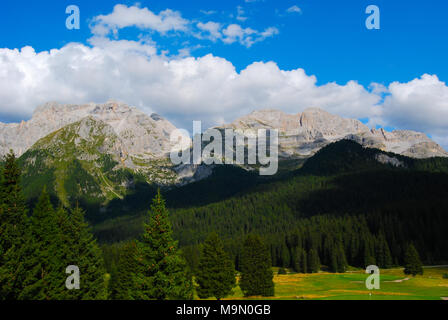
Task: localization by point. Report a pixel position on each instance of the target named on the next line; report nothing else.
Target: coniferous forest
(340, 209)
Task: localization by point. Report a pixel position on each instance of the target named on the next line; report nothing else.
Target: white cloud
(233, 33)
(123, 16)
(246, 36)
(206, 88)
(294, 9)
(421, 104)
(168, 20)
(212, 29)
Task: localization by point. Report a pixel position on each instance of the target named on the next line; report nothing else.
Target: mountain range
(101, 151)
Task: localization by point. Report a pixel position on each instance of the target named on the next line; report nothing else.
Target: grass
(351, 286)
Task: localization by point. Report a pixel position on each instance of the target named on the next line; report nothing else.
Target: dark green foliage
(121, 284)
(161, 271)
(57, 240)
(83, 252)
(445, 276)
(13, 230)
(300, 263)
(216, 274)
(313, 261)
(45, 271)
(412, 263)
(256, 273)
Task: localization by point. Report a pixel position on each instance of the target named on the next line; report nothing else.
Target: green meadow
(394, 285)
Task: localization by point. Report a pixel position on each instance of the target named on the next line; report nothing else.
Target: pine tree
(216, 273)
(412, 263)
(256, 272)
(285, 258)
(341, 259)
(81, 251)
(13, 231)
(42, 262)
(121, 284)
(304, 263)
(334, 267)
(313, 261)
(161, 271)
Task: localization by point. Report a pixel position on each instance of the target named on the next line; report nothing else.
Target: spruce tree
(300, 264)
(216, 273)
(313, 261)
(13, 230)
(341, 259)
(303, 262)
(121, 284)
(412, 263)
(256, 272)
(161, 271)
(43, 264)
(82, 251)
(285, 257)
(334, 267)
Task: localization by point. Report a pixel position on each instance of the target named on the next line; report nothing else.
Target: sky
(217, 60)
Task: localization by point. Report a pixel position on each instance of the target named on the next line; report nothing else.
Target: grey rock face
(303, 134)
(142, 136)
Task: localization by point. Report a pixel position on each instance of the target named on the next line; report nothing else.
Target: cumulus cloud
(421, 104)
(211, 29)
(168, 20)
(246, 36)
(233, 33)
(206, 88)
(123, 16)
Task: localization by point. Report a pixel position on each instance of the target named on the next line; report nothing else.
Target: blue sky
(321, 50)
(327, 39)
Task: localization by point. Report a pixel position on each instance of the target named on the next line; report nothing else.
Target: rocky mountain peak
(303, 134)
(145, 136)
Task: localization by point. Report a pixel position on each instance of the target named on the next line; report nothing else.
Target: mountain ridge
(101, 151)
(303, 134)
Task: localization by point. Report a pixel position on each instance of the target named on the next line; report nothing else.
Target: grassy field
(394, 285)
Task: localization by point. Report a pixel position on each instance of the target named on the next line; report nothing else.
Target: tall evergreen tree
(304, 262)
(256, 272)
(313, 261)
(13, 230)
(300, 264)
(216, 273)
(412, 262)
(161, 271)
(342, 261)
(121, 284)
(83, 252)
(43, 264)
(285, 256)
